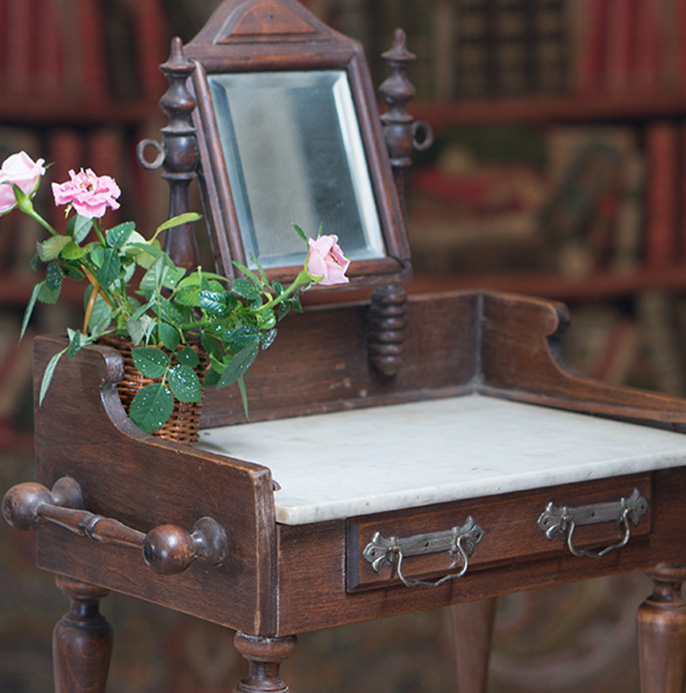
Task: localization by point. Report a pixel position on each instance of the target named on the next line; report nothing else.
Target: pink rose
(326, 263)
(20, 170)
(90, 195)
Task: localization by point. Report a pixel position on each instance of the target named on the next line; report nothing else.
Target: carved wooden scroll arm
(167, 549)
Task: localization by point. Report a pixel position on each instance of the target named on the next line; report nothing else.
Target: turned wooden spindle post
(400, 129)
(177, 154)
(387, 329)
(662, 632)
(82, 640)
(265, 656)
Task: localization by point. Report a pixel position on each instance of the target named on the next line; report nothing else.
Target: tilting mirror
(289, 133)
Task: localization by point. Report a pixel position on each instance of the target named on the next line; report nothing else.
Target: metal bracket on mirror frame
(459, 542)
(564, 520)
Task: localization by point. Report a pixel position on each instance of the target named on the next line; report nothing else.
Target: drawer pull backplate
(625, 511)
(459, 542)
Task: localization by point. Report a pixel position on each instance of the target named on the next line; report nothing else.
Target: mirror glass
(294, 154)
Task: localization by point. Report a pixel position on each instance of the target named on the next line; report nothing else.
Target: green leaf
(140, 329)
(239, 365)
(150, 361)
(268, 338)
(260, 269)
(97, 254)
(169, 336)
(109, 270)
(151, 407)
(188, 357)
(29, 308)
(71, 251)
(100, 316)
(242, 336)
(77, 341)
(249, 273)
(300, 233)
(187, 296)
(244, 396)
(49, 372)
(117, 236)
(53, 276)
(47, 294)
(81, 229)
(284, 309)
(211, 378)
(172, 276)
(172, 314)
(296, 305)
(73, 271)
(50, 249)
(245, 289)
(213, 303)
(210, 345)
(184, 383)
(186, 218)
(266, 320)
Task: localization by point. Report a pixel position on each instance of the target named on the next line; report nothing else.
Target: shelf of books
(79, 86)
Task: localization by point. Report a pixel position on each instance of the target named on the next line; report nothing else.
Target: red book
(680, 41)
(151, 47)
(662, 146)
(18, 48)
(91, 45)
(650, 45)
(590, 59)
(620, 46)
(50, 49)
(65, 151)
(106, 152)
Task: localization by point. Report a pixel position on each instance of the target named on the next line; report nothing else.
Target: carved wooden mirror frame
(272, 36)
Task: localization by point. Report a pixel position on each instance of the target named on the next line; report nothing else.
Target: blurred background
(558, 170)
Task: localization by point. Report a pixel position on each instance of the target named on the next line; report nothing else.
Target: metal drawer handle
(167, 549)
(625, 511)
(459, 542)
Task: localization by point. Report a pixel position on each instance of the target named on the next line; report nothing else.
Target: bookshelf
(555, 74)
(79, 87)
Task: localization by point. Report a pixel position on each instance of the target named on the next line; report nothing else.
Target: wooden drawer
(509, 525)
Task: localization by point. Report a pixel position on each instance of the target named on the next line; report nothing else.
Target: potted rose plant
(173, 320)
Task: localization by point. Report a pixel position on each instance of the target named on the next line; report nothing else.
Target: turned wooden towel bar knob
(167, 549)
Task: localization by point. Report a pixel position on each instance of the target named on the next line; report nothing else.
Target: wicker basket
(183, 424)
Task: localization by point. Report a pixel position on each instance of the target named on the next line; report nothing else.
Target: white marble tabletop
(363, 461)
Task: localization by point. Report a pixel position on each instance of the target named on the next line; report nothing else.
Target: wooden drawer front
(510, 530)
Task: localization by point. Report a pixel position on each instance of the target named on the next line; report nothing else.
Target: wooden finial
(178, 154)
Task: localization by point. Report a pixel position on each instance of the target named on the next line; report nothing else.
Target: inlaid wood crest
(258, 21)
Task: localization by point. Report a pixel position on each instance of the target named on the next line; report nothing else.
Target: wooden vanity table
(402, 454)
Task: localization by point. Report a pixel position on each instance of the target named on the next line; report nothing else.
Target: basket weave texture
(184, 423)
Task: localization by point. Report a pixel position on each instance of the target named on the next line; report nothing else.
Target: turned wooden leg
(82, 641)
(662, 632)
(472, 633)
(264, 656)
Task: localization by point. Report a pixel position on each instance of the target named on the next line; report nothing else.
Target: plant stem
(37, 217)
(302, 279)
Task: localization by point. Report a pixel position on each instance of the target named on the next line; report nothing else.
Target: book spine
(50, 49)
(620, 46)
(93, 70)
(151, 48)
(20, 38)
(589, 72)
(655, 49)
(106, 155)
(661, 195)
(65, 150)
